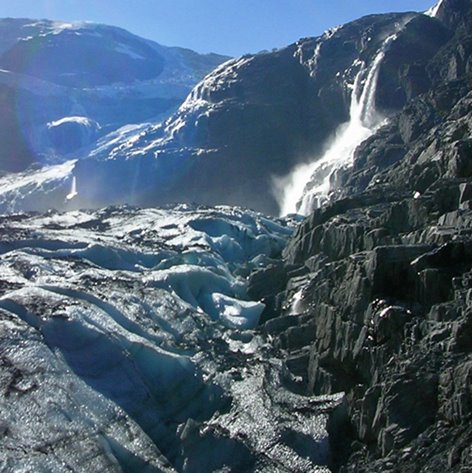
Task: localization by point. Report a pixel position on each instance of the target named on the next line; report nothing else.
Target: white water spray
(73, 190)
(433, 11)
(308, 186)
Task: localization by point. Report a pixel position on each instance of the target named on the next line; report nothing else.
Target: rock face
(255, 118)
(274, 111)
(53, 71)
(377, 283)
(197, 342)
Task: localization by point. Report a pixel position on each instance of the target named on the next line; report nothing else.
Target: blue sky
(231, 27)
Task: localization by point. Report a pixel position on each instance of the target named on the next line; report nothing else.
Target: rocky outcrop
(246, 125)
(378, 304)
(271, 112)
(148, 315)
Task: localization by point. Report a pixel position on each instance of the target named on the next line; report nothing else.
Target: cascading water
(308, 186)
(73, 190)
(433, 11)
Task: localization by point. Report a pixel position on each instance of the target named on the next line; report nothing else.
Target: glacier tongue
(127, 339)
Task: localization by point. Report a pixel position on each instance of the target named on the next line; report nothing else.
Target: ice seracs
(139, 322)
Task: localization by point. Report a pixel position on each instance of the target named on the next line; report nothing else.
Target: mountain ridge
(276, 110)
(382, 285)
(103, 73)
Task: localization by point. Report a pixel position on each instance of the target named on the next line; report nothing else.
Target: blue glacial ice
(128, 342)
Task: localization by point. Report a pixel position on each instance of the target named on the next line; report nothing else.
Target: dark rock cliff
(377, 285)
(257, 117)
(253, 119)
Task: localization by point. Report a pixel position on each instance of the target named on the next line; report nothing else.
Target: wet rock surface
(252, 120)
(280, 109)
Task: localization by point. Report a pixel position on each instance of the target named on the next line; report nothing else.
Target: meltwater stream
(308, 186)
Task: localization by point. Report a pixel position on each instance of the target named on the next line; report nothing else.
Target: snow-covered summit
(63, 52)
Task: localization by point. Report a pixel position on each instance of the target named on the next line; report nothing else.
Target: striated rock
(387, 283)
(401, 75)
(455, 393)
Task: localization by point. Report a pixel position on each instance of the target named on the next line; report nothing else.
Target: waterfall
(308, 186)
(433, 11)
(73, 190)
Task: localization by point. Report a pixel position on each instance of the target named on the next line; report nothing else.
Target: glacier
(129, 339)
(180, 338)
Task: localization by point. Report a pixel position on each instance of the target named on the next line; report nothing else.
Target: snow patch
(27, 189)
(237, 313)
(83, 121)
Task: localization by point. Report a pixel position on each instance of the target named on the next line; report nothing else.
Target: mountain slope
(181, 339)
(57, 70)
(383, 278)
(255, 118)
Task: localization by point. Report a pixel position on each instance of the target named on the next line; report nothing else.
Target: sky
(231, 27)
